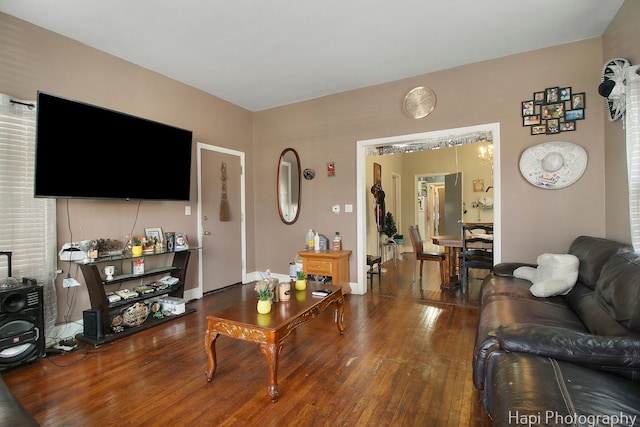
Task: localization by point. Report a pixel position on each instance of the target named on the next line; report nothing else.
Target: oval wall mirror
(288, 182)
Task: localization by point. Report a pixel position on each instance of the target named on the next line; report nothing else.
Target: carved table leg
(340, 315)
(210, 347)
(272, 351)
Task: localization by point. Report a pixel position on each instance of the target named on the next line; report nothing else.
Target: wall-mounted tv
(89, 152)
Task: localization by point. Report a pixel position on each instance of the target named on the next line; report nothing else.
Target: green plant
(389, 225)
(137, 241)
(262, 288)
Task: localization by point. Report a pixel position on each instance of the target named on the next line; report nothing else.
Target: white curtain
(27, 224)
(632, 129)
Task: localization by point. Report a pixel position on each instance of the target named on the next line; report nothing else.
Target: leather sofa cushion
(528, 386)
(594, 253)
(618, 289)
(597, 320)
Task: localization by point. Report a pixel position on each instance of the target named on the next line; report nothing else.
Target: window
(27, 224)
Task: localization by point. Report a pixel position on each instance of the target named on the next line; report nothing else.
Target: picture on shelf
(154, 233)
(182, 242)
(137, 266)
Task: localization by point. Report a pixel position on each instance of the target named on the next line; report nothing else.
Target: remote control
(321, 292)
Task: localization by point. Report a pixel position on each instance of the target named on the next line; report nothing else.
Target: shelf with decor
(143, 307)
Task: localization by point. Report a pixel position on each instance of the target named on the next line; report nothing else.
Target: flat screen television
(89, 152)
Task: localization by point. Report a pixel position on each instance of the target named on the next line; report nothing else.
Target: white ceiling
(260, 54)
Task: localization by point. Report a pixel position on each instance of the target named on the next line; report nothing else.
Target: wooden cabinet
(98, 288)
(328, 263)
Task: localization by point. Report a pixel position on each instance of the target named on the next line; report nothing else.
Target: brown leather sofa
(12, 413)
(576, 355)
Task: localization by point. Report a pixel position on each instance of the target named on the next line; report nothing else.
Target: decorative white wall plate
(553, 165)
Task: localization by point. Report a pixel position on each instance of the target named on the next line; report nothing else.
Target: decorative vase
(301, 285)
(136, 250)
(264, 306)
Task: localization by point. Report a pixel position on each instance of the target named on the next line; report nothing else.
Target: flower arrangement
(136, 241)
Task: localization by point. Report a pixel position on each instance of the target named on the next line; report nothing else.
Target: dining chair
(477, 249)
(421, 255)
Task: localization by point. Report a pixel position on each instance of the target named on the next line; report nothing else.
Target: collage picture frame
(553, 110)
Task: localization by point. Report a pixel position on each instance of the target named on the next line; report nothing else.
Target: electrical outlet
(70, 282)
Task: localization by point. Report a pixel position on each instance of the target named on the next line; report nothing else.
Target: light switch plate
(348, 208)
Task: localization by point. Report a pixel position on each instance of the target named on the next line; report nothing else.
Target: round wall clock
(419, 102)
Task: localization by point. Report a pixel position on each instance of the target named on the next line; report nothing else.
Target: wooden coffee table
(242, 321)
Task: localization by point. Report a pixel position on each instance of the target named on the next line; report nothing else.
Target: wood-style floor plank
(404, 360)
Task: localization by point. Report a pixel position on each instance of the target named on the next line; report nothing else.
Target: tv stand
(96, 285)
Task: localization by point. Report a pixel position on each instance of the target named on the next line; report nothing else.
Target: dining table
(452, 244)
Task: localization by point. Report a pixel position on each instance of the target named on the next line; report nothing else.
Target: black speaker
(92, 322)
(21, 325)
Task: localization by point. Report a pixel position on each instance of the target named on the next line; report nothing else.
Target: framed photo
(568, 126)
(377, 173)
(574, 115)
(551, 95)
(553, 126)
(538, 129)
(478, 185)
(539, 98)
(531, 120)
(565, 94)
(578, 101)
(182, 242)
(553, 111)
(527, 108)
(155, 233)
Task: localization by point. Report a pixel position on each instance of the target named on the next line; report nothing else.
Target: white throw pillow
(556, 274)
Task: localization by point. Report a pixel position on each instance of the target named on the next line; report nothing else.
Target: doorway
(417, 141)
(222, 238)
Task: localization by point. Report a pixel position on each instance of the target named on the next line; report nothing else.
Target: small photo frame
(377, 173)
(155, 233)
(574, 115)
(565, 94)
(538, 129)
(527, 108)
(182, 242)
(553, 111)
(539, 98)
(531, 120)
(478, 185)
(552, 95)
(568, 126)
(578, 101)
(553, 126)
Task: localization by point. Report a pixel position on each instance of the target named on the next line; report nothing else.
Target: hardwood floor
(404, 360)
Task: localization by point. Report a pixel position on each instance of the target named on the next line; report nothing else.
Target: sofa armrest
(571, 346)
(507, 268)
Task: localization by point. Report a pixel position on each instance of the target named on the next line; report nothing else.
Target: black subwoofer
(21, 325)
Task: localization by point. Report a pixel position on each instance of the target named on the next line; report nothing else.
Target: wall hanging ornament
(613, 87)
(553, 165)
(225, 214)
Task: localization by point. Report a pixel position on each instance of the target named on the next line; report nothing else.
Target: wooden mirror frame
(288, 180)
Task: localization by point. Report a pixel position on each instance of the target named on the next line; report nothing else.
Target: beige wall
(621, 40)
(326, 129)
(35, 59)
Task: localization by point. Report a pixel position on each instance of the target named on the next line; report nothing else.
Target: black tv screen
(89, 152)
